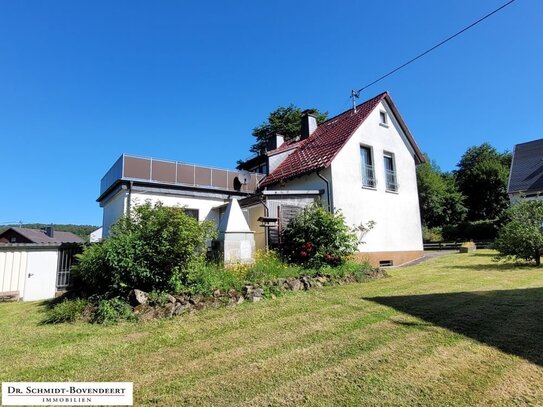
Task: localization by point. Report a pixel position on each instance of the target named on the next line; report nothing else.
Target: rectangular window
(368, 172)
(383, 118)
(390, 172)
(193, 213)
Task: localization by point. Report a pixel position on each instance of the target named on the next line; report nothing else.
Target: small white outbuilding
(35, 264)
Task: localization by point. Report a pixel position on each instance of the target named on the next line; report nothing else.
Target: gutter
(130, 185)
(266, 214)
(327, 190)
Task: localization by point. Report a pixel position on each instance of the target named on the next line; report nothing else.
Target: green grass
(459, 330)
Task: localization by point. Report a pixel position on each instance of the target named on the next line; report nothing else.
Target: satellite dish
(244, 177)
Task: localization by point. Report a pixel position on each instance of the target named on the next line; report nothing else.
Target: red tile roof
(287, 145)
(318, 150)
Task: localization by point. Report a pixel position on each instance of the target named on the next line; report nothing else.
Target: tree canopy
(440, 202)
(283, 120)
(481, 177)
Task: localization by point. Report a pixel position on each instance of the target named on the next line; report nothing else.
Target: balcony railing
(368, 176)
(153, 170)
(391, 183)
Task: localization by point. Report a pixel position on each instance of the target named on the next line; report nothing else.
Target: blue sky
(83, 81)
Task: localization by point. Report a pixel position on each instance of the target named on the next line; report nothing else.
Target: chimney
(309, 123)
(49, 231)
(274, 142)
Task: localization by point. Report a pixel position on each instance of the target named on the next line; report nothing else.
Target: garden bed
(143, 306)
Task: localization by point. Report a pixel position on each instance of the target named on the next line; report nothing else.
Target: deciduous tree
(522, 236)
(283, 120)
(440, 202)
(481, 177)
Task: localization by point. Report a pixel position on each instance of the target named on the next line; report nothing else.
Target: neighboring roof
(320, 148)
(527, 167)
(39, 236)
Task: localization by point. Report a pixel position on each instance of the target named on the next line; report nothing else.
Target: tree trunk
(537, 258)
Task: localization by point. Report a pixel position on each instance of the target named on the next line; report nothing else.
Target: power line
(355, 93)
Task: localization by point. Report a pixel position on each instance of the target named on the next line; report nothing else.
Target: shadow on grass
(510, 320)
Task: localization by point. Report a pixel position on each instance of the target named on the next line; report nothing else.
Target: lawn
(456, 330)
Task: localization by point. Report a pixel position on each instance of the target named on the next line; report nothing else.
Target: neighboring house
(96, 235)
(35, 264)
(526, 175)
(361, 162)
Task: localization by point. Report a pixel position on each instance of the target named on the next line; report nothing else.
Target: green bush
(316, 237)
(432, 234)
(477, 230)
(157, 298)
(150, 249)
(112, 310)
(521, 238)
(66, 311)
(269, 266)
(204, 278)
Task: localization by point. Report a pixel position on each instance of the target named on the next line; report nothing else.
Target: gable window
(390, 172)
(13, 239)
(383, 118)
(368, 171)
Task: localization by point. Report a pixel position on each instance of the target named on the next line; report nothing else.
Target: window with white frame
(383, 119)
(368, 171)
(390, 172)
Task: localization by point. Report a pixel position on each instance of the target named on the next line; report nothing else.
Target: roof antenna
(354, 95)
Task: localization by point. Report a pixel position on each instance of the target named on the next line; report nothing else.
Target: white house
(362, 162)
(526, 174)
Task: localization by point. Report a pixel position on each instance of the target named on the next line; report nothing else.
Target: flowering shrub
(316, 237)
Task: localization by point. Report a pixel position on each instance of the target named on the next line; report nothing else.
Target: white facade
(119, 204)
(114, 209)
(396, 214)
(310, 182)
(32, 272)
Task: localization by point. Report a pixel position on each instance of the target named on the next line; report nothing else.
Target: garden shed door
(41, 275)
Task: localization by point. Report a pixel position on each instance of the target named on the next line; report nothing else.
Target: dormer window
(383, 118)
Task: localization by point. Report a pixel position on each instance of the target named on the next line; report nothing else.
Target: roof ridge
(320, 148)
(379, 96)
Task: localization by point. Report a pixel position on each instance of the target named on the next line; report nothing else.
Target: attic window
(13, 239)
(383, 119)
